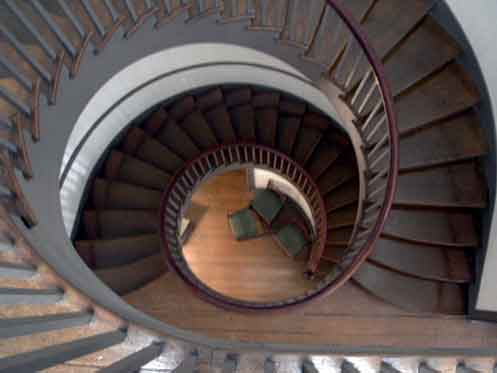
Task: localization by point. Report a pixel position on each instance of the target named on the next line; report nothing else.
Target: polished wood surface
(257, 270)
(254, 270)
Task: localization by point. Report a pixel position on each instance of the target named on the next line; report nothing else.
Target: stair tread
(128, 169)
(238, 96)
(266, 126)
(147, 149)
(435, 263)
(410, 293)
(302, 21)
(199, 131)
(269, 15)
(433, 99)
(123, 223)
(331, 36)
(288, 128)
(341, 171)
(220, 122)
(305, 143)
(344, 217)
(210, 99)
(436, 227)
(323, 157)
(120, 251)
(389, 21)
(343, 195)
(407, 65)
(243, 120)
(182, 107)
(118, 195)
(130, 277)
(450, 140)
(339, 236)
(457, 185)
(266, 100)
(178, 140)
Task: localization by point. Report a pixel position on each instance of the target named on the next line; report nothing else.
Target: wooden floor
(254, 270)
(258, 270)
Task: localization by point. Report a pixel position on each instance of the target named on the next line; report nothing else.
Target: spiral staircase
(395, 198)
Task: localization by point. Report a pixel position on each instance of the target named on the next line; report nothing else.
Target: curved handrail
(195, 172)
(15, 201)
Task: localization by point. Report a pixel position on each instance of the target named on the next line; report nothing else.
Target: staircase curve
(41, 41)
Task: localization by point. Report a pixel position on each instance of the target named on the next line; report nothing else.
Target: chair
(267, 204)
(245, 224)
(292, 239)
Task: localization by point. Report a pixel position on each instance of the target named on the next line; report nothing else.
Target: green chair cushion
(267, 204)
(291, 239)
(243, 224)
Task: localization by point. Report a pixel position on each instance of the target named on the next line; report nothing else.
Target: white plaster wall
(478, 20)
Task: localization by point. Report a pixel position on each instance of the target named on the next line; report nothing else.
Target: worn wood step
(266, 100)
(288, 129)
(323, 157)
(344, 195)
(120, 251)
(432, 227)
(407, 66)
(128, 278)
(147, 149)
(331, 36)
(451, 140)
(122, 167)
(117, 195)
(434, 99)
(237, 96)
(339, 236)
(389, 22)
(243, 120)
(457, 185)
(181, 107)
(305, 143)
(411, 294)
(110, 224)
(266, 126)
(178, 140)
(220, 122)
(341, 171)
(209, 100)
(199, 130)
(343, 217)
(302, 21)
(434, 263)
(236, 10)
(270, 15)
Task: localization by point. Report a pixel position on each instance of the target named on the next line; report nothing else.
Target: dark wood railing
(211, 162)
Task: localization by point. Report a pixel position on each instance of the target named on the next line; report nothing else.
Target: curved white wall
(156, 78)
(478, 20)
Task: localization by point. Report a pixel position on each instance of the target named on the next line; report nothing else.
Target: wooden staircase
(427, 244)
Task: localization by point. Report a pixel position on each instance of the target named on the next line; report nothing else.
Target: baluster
(375, 206)
(135, 361)
(94, 18)
(131, 10)
(366, 99)
(45, 46)
(353, 71)
(371, 115)
(19, 47)
(10, 296)
(374, 131)
(379, 159)
(378, 176)
(359, 89)
(15, 101)
(55, 28)
(377, 190)
(245, 149)
(12, 133)
(237, 148)
(19, 76)
(112, 10)
(378, 146)
(72, 18)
